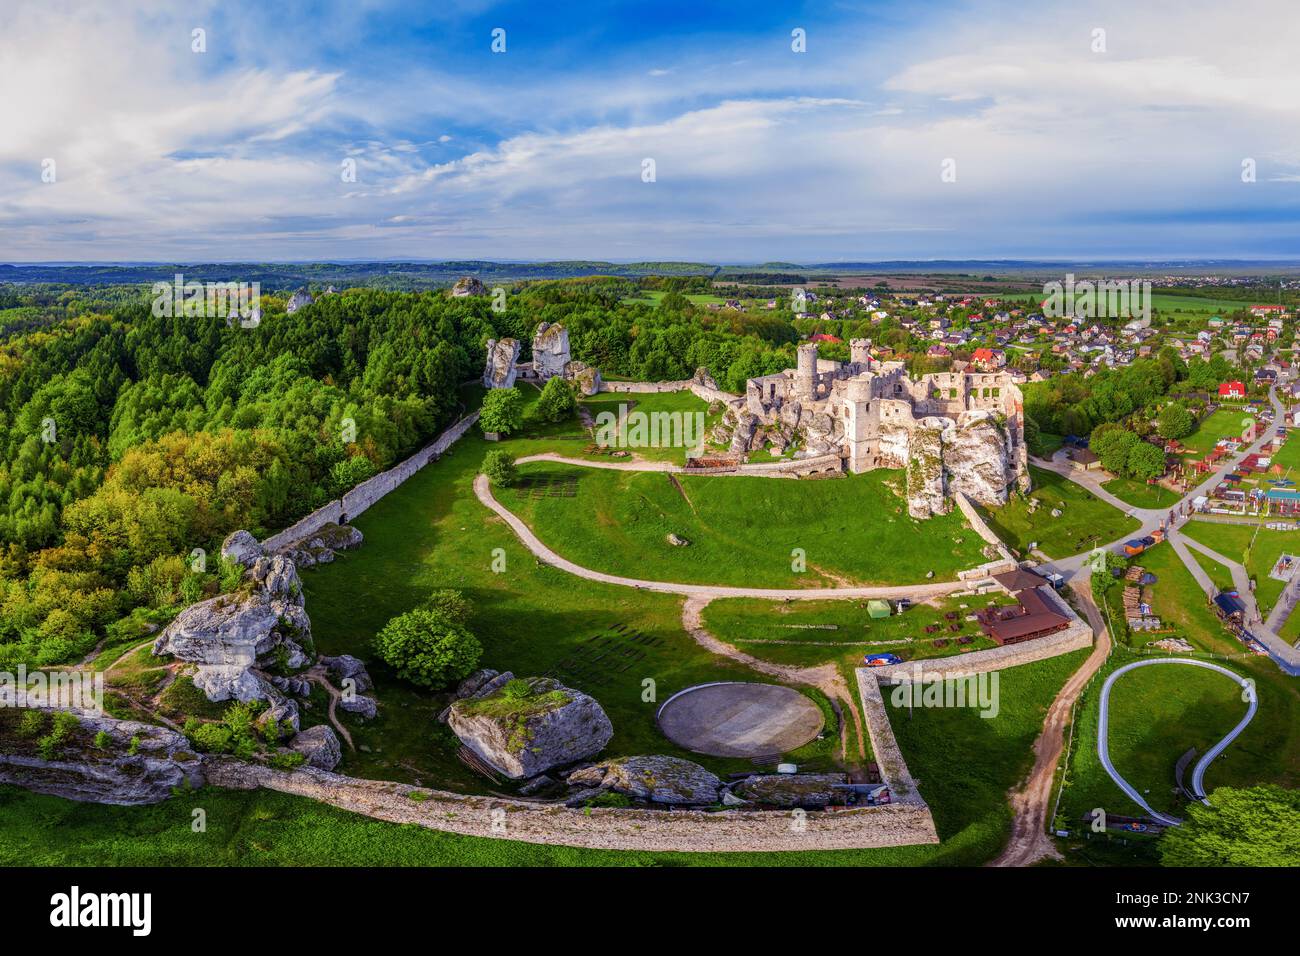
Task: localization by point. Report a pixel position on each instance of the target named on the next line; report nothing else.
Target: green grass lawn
(1179, 602)
(807, 633)
(1086, 521)
(1222, 423)
(672, 445)
(743, 530)
(964, 763)
(1141, 495)
(1265, 546)
(1156, 714)
(532, 619)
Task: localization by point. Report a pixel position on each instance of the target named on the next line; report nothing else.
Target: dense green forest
(128, 440)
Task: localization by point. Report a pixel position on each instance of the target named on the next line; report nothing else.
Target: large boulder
(320, 546)
(807, 790)
(135, 763)
(260, 625)
(583, 377)
(550, 349)
(976, 456)
(526, 727)
(320, 745)
(657, 779)
(499, 369)
(345, 667)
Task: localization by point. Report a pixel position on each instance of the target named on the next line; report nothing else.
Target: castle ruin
(951, 431)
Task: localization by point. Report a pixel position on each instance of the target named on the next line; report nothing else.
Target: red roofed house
(1232, 390)
(989, 359)
(823, 337)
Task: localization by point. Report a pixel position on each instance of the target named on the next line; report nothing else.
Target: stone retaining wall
(702, 392)
(690, 831)
(369, 491)
(893, 768)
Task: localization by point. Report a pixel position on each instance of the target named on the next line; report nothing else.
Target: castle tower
(805, 372)
(860, 351)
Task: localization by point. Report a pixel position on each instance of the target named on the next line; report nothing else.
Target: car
(881, 660)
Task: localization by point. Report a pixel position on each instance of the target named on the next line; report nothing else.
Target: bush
(452, 603)
(32, 723)
(503, 411)
(557, 402)
(428, 648)
(214, 738)
(500, 468)
(288, 760)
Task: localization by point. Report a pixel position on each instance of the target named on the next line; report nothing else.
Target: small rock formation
(467, 286)
(364, 707)
(499, 370)
(550, 350)
(138, 764)
(808, 790)
(298, 300)
(321, 547)
(676, 540)
(583, 377)
(525, 727)
(320, 745)
(657, 779)
(261, 624)
(346, 666)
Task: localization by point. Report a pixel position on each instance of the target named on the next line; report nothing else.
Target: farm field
(1141, 495)
(743, 530)
(655, 296)
(1085, 521)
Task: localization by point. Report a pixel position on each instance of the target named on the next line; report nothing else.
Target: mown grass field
(743, 530)
(1223, 423)
(808, 633)
(677, 435)
(964, 763)
(1141, 495)
(1085, 522)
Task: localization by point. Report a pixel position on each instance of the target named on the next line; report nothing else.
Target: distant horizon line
(1148, 262)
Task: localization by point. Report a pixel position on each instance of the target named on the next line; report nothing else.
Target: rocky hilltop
(261, 624)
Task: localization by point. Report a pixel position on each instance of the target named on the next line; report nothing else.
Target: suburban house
(1232, 390)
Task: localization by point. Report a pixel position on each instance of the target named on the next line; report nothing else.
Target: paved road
(1198, 774)
(1283, 654)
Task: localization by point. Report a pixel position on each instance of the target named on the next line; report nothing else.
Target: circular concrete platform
(739, 720)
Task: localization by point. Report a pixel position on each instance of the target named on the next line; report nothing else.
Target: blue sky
(1065, 142)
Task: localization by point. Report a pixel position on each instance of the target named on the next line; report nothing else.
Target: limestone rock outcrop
(320, 745)
(467, 286)
(346, 667)
(657, 779)
(260, 624)
(499, 370)
(585, 378)
(525, 727)
(242, 548)
(550, 349)
(298, 300)
(808, 790)
(134, 764)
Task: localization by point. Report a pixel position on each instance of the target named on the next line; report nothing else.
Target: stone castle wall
(369, 491)
(687, 831)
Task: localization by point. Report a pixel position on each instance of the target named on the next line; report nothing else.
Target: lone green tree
(1255, 826)
(503, 411)
(1175, 421)
(1145, 462)
(500, 468)
(557, 402)
(428, 647)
